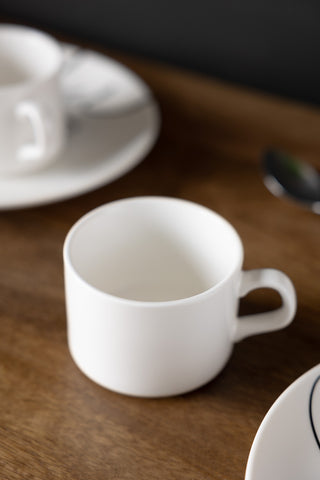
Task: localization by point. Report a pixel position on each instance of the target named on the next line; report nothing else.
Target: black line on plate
(310, 411)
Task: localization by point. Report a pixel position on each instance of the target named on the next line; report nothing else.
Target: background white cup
(152, 290)
(32, 120)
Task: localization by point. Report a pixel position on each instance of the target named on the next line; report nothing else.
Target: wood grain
(57, 424)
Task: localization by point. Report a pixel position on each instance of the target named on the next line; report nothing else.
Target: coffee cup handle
(248, 325)
(36, 150)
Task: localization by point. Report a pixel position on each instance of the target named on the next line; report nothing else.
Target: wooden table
(57, 424)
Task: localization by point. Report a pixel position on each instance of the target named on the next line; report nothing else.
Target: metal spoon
(285, 175)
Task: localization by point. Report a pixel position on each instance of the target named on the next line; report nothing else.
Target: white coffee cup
(32, 120)
(152, 290)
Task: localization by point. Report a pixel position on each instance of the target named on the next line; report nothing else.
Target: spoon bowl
(285, 175)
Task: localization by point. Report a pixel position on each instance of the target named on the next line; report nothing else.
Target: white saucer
(99, 149)
(287, 444)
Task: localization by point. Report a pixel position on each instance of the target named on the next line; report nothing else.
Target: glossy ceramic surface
(287, 444)
(98, 150)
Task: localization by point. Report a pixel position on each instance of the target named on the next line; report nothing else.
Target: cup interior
(26, 54)
(153, 249)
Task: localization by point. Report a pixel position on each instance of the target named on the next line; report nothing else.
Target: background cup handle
(36, 150)
(266, 322)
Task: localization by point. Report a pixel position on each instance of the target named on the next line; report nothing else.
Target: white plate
(287, 444)
(99, 149)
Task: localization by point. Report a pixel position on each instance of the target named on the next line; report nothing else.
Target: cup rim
(49, 39)
(179, 301)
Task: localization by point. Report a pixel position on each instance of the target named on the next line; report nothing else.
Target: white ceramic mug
(32, 120)
(152, 290)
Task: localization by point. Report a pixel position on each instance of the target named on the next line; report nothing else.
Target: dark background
(272, 45)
